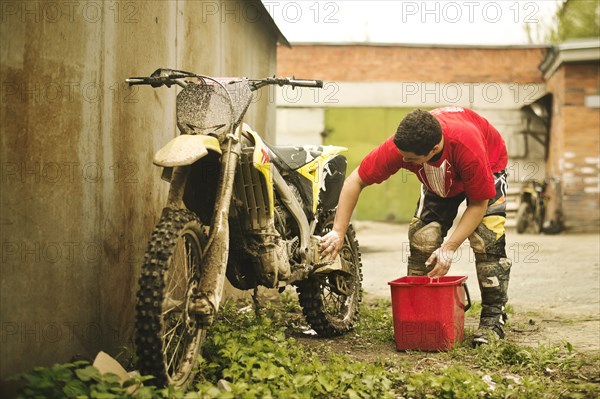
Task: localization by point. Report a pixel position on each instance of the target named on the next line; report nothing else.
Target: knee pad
(424, 239)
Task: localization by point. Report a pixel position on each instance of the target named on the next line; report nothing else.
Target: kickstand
(256, 303)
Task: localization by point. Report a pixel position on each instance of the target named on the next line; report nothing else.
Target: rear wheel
(330, 302)
(523, 217)
(168, 337)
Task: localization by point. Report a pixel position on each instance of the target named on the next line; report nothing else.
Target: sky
(500, 22)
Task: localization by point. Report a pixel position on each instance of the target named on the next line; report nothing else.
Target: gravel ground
(554, 286)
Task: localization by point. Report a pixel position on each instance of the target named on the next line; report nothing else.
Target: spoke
(175, 351)
(172, 330)
(176, 272)
(178, 340)
(171, 304)
(171, 353)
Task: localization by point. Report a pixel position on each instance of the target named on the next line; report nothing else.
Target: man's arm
(466, 226)
(332, 242)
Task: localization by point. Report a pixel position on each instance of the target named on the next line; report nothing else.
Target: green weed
(250, 354)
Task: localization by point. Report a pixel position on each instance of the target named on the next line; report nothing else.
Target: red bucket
(429, 314)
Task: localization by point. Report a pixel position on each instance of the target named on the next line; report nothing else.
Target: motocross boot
(493, 274)
(423, 240)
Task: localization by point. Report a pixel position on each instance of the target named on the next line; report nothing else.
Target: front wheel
(330, 302)
(168, 338)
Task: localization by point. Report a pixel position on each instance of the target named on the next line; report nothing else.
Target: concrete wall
(79, 193)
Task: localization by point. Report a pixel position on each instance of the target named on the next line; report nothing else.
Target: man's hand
(442, 259)
(330, 244)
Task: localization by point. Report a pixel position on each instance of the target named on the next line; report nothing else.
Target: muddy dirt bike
(239, 209)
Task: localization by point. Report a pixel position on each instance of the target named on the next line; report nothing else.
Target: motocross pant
(432, 220)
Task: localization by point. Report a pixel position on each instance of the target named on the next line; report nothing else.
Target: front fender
(185, 150)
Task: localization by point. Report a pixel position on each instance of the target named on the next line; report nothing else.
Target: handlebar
(257, 84)
(161, 76)
(133, 81)
(168, 77)
(154, 81)
(306, 83)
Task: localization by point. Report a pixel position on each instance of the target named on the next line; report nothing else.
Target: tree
(575, 19)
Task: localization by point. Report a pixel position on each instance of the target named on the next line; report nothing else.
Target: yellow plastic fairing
(313, 171)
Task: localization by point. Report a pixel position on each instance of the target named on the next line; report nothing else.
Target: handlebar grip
(306, 83)
(135, 81)
(147, 80)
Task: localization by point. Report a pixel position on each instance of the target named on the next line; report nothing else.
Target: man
(457, 155)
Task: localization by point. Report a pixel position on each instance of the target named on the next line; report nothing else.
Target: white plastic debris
(490, 383)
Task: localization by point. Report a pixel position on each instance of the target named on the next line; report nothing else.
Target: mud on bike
(239, 209)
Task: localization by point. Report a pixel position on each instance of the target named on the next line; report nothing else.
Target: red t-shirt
(473, 151)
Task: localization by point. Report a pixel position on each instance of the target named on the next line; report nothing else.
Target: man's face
(416, 159)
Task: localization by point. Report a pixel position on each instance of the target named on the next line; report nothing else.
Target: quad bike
(239, 209)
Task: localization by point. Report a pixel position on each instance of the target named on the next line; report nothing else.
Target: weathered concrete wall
(79, 195)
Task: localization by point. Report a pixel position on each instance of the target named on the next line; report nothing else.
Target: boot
(493, 274)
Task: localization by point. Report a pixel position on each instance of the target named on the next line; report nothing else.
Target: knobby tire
(314, 294)
(159, 305)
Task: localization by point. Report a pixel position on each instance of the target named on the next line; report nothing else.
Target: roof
(280, 37)
(580, 50)
(422, 45)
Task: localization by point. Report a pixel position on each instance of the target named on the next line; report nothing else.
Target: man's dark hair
(418, 132)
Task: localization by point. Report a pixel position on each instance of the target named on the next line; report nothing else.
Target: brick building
(572, 74)
(369, 87)
(413, 63)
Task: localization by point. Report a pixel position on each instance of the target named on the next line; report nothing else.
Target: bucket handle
(468, 297)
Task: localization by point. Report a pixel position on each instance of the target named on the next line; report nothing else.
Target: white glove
(442, 259)
(330, 245)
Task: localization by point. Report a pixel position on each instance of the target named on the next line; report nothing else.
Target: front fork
(214, 259)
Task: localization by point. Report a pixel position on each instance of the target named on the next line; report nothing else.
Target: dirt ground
(554, 287)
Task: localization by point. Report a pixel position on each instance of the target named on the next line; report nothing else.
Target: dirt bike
(532, 207)
(239, 209)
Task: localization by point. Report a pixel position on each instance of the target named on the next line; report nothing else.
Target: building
(572, 74)
(79, 194)
(370, 87)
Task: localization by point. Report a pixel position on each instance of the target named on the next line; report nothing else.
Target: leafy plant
(251, 354)
(258, 361)
(376, 321)
(82, 380)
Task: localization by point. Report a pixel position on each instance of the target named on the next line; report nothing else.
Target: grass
(266, 354)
